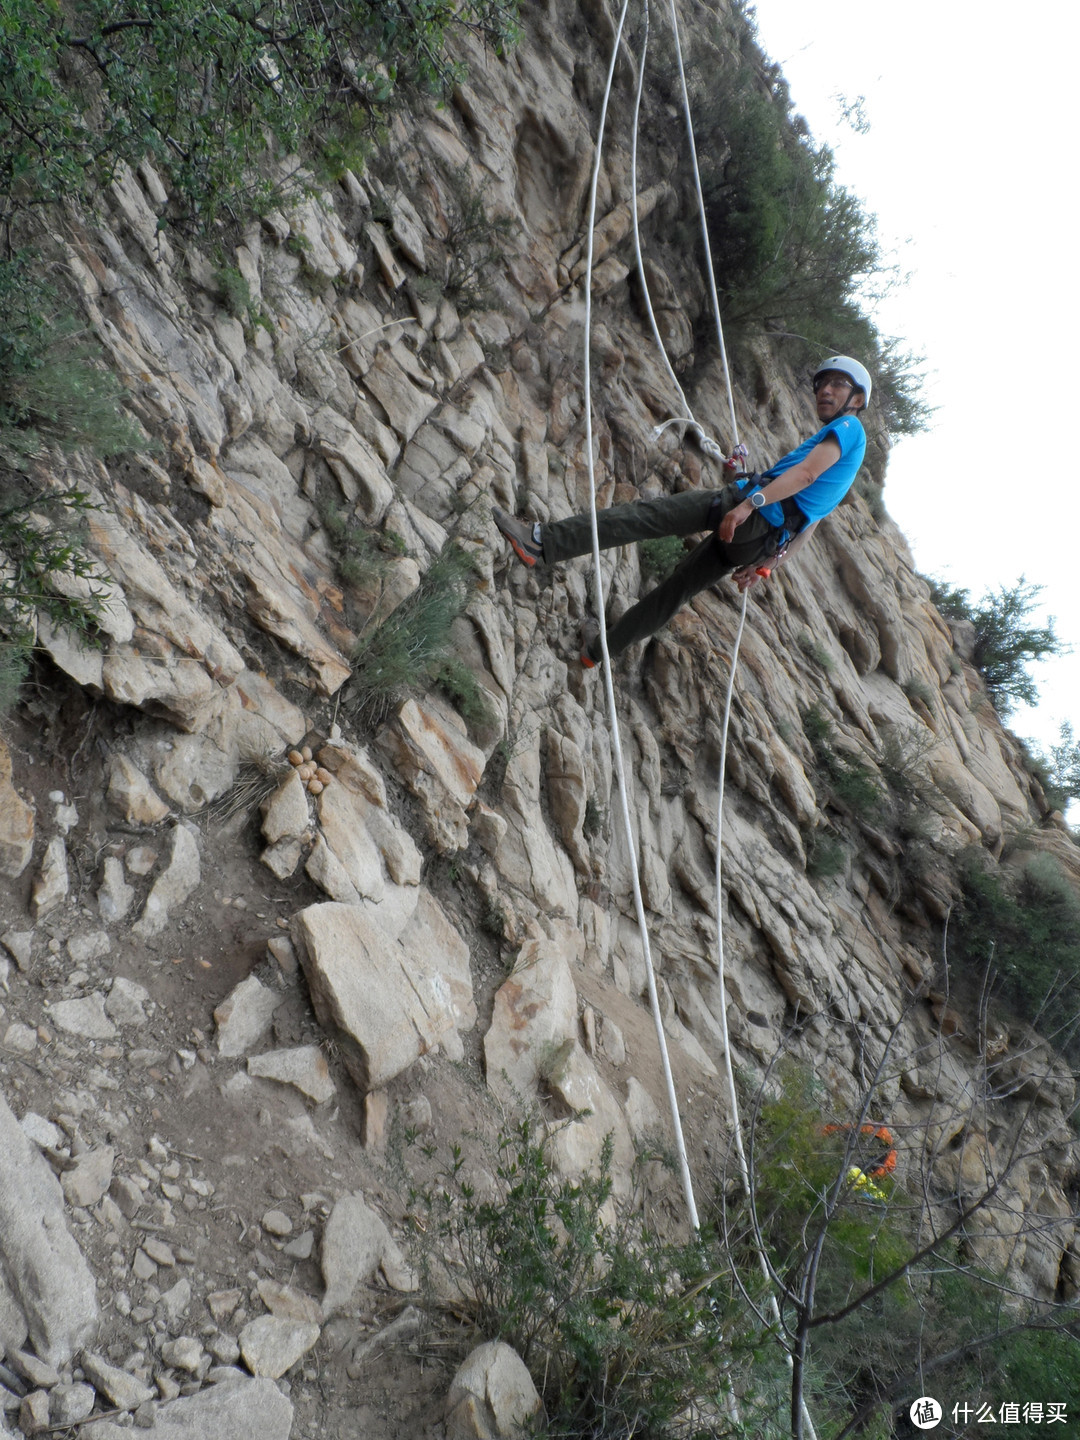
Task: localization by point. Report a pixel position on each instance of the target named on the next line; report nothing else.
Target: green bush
(465, 692)
(1005, 642)
(203, 89)
(410, 650)
(825, 856)
(660, 557)
(796, 254)
(53, 388)
(1059, 772)
(850, 783)
(54, 394)
(476, 243)
(832, 1242)
(814, 650)
(363, 556)
(1026, 926)
(622, 1332)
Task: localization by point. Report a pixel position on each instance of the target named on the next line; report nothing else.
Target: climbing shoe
(523, 535)
(590, 632)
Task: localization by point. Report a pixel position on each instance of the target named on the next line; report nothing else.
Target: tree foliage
(1006, 642)
(201, 89)
(796, 253)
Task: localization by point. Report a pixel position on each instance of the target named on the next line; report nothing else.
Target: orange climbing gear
(877, 1165)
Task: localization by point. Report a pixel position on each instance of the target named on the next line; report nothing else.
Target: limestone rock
(356, 1244)
(283, 857)
(16, 823)
(131, 794)
(183, 1353)
(304, 1067)
(535, 1014)
(126, 1001)
(492, 1396)
(439, 764)
(90, 1177)
(38, 1373)
(41, 1267)
(119, 1387)
(34, 1413)
(289, 1303)
(86, 945)
(244, 1016)
(85, 1016)
(236, 1411)
(271, 1344)
(19, 945)
(406, 406)
(115, 897)
(285, 813)
(593, 1114)
(390, 994)
(70, 1404)
(359, 471)
(173, 885)
(51, 882)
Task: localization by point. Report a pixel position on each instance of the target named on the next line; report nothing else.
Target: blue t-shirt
(832, 484)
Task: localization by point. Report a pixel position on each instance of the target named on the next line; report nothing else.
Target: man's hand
(732, 520)
(750, 575)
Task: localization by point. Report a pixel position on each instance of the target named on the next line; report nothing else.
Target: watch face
(757, 499)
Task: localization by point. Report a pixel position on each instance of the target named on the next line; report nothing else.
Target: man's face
(832, 391)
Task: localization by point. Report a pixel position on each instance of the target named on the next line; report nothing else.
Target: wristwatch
(757, 499)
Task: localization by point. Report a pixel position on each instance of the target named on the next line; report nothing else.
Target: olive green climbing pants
(683, 514)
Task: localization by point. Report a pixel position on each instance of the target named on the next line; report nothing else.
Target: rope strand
(609, 686)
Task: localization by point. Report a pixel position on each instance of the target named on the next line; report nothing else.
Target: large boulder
(46, 1289)
(535, 1014)
(233, 1411)
(492, 1396)
(388, 992)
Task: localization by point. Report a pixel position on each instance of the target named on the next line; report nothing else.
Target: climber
(759, 520)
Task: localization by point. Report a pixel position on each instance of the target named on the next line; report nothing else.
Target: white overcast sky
(970, 166)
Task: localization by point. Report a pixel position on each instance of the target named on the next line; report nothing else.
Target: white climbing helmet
(856, 373)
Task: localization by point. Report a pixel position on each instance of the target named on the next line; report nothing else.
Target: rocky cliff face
(431, 855)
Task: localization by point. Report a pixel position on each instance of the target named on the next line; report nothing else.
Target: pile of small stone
(315, 777)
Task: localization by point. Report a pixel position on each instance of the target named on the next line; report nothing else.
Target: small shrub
(364, 556)
(239, 301)
(920, 691)
(1026, 926)
(814, 650)
(817, 727)
(412, 645)
(462, 688)
(851, 783)
(622, 1332)
(475, 242)
(660, 557)
(53, 387)
(592, 823)
(14, 664)
(825, 856)
(40, 545)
